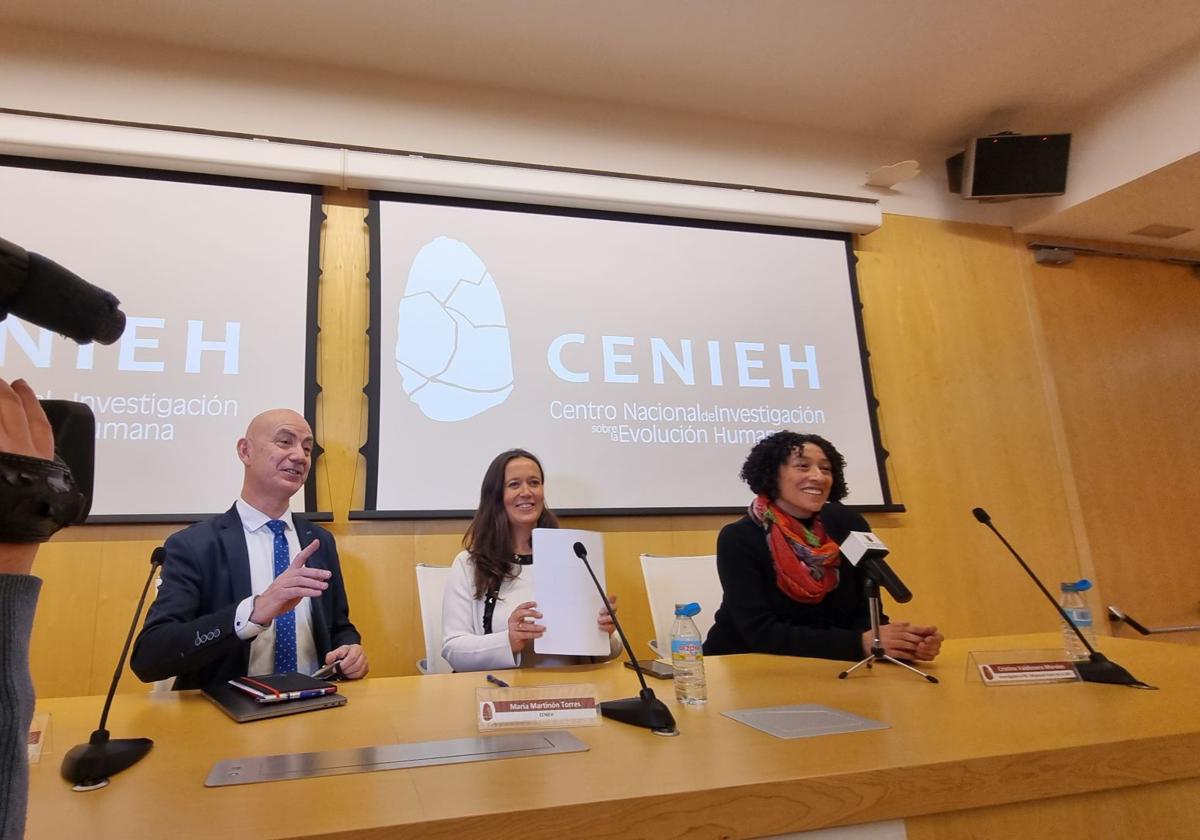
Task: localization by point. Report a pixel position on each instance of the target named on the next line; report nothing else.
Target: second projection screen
(639, 358)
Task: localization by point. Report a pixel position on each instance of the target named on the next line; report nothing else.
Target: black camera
(37, 497)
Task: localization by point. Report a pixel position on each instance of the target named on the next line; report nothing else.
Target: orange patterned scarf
(806, 561)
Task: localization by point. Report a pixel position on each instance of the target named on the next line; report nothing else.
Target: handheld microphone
(866, 551)
(645, 710)
(44, 293)
(88, 766)
(1098, 668)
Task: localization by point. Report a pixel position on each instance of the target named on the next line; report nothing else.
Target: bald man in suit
(230, 587)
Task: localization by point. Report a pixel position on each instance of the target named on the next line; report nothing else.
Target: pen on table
(494, 680)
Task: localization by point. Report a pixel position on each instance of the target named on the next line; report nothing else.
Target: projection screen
(639, 357)
(218, 279)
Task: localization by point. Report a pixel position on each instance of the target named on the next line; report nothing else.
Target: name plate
(39, 729)
(1015, 667)
(533, 707)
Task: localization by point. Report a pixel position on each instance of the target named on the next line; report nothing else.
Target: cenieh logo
(452, 345)
(454, 356)
(682, 363)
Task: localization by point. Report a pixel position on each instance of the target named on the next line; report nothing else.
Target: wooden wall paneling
(376, 558)
(1062, 450)
(696, 535)
(62, 649)
(380, 585)
(437, 541)
(1123, 337)
(91, 578)
(964, 413)
(342, 351)
(124, 564)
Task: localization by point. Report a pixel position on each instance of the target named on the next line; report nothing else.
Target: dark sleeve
(176, 638)
(18, 598)
(341, 630)
(747, 576)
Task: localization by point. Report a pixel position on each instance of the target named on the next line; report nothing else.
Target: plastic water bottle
(687, 656)
(1074, 605)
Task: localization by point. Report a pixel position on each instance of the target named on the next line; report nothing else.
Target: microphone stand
(877, 652)
(645, 710)
(1098, 668)
(88, 766)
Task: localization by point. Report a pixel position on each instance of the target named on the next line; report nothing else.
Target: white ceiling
(934, 71)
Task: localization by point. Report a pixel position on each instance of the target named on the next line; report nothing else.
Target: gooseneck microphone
(645, 710)
(1098, 668)
(42, 292)
(88, 766)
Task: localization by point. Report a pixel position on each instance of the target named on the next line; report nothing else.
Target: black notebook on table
(282, 688)
(243, 706)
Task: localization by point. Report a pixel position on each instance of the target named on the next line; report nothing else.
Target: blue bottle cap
(688, 610)
(1081, 585)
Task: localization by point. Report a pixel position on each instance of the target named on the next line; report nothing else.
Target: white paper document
(565, 593)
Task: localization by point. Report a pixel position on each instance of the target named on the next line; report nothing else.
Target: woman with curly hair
(786, 588)
(489, 617)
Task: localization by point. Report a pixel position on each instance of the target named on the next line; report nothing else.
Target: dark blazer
(757, 617)
(189, 631)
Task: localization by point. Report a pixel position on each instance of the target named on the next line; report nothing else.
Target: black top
(757, 617)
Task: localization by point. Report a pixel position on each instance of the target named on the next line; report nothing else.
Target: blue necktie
(285, 625)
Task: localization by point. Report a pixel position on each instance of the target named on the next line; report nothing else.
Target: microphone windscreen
(14, 268)
(59, 300)
(580, 551)
(982, 515)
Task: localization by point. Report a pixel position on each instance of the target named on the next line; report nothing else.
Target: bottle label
(687, 650)
(1080, 616)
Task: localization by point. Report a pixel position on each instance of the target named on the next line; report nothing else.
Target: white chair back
(678, 580)
(431, 580)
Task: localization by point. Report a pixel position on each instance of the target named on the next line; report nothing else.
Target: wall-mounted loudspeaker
(1011, 166)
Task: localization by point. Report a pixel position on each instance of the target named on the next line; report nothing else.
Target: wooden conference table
(959, 759)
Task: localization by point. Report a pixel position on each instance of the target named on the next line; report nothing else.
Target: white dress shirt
(464, 644)
(260, 545)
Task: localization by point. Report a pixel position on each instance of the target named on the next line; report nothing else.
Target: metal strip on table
(804, 721)
(272, 768)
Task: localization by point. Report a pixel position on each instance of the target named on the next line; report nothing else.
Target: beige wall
(111, 79)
